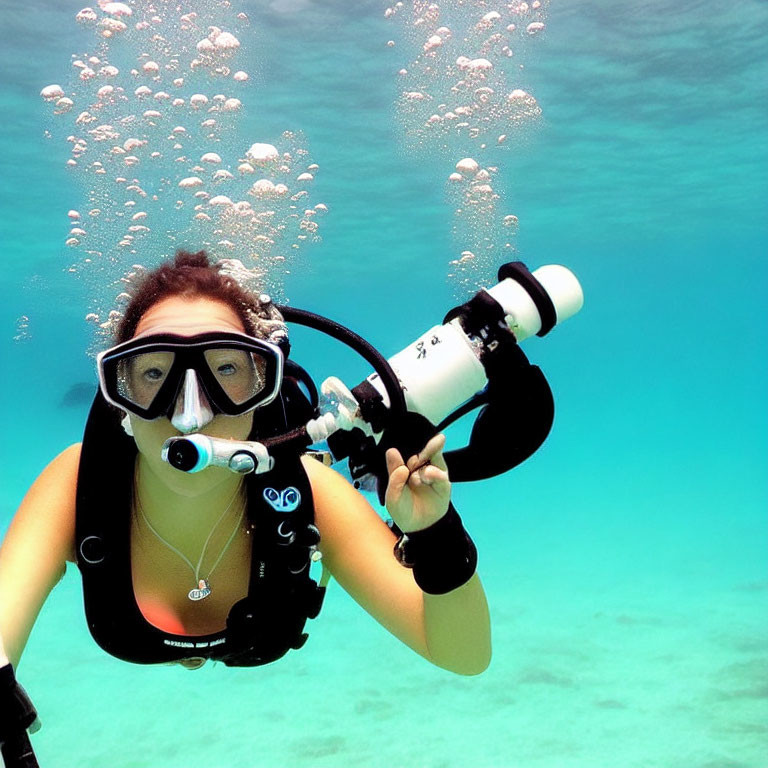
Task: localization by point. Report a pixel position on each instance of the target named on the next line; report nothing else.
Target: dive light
(443, 367)
(472, 359)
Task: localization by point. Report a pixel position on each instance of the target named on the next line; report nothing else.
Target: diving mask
(234, 372)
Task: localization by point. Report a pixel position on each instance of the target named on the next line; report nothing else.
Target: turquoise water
(625, 563)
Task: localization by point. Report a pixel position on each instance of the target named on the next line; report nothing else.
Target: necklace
(203, 588)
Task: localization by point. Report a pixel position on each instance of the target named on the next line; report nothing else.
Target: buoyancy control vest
(261, 627)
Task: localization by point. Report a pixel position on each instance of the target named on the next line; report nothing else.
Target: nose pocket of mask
(191, 411)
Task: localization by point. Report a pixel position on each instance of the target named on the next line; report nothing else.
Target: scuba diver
(195, 505)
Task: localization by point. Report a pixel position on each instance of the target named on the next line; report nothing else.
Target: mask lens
(140, 376)
(240, 373)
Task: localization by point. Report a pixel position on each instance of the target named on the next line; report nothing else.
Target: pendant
(202, 591)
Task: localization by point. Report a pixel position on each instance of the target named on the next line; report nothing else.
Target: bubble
(467, 165)
(52, 92)
(262, 154)
(246, 228)
(64, 105)
(534, 27)
(116, 9)
(262, 188)
(455, 177)
(191, 182)
(112, 26)
(86, 15)
(305, 177)
(480, 65)
(226, 42)
(22, 329)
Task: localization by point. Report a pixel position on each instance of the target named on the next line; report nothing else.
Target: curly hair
(191, 274)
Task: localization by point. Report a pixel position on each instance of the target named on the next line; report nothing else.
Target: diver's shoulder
(69, 458)
(71, 453)
(64, 467)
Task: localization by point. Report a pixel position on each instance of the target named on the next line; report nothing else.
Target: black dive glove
(443, 557)
(17, 713)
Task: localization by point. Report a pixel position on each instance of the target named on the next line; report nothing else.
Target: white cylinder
(438, 371)
(522, 316)
(442, 369)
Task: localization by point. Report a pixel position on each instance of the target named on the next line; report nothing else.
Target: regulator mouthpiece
(194, 453)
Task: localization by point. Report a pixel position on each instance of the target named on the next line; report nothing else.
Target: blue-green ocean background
(625, 563)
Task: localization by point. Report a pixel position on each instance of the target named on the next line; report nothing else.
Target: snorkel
(471, 360)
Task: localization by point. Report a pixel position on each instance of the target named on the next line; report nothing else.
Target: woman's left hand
(419, 491)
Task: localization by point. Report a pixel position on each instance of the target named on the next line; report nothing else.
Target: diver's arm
(452, 630)
(36, 547)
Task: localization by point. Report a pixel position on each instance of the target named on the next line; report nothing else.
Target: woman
(188, 562)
